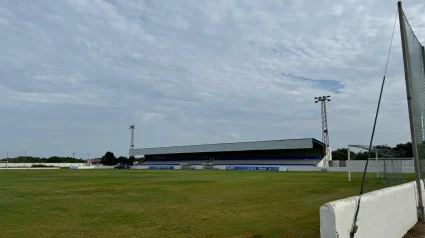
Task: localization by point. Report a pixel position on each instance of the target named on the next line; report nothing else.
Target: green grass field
(149, 203)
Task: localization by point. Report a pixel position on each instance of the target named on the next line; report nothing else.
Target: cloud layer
(77, 73)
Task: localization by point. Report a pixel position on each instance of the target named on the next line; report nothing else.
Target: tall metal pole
(132, 127)
(411, 119)
(7, 158)
(325, 131)
(25, 158)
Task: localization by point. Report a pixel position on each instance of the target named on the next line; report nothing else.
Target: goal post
(4, 164)
(357, 157)
(386, 163)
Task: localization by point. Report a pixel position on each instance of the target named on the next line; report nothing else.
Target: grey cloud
(197, 72)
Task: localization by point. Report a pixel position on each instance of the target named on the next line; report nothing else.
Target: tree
(122, 159)
(131, 160)
(53, 159)
(340, 154)
(405, 147)
(383, 147)
(126, 160)
(108, 159)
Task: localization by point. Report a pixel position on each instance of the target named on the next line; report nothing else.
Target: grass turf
(152, 203)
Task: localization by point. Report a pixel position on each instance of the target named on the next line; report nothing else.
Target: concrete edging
(385, 213)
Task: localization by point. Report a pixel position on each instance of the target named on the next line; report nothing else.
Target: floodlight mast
(325, 131)
(132, 127)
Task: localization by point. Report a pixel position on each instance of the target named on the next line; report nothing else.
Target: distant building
(93, 162)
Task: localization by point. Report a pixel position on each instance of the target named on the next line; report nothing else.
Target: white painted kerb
(384, 213)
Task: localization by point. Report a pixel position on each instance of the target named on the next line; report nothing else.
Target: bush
(41, 166)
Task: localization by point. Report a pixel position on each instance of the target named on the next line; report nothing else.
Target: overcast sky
(76, 73)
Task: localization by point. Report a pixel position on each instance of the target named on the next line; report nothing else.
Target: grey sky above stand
(75, 74)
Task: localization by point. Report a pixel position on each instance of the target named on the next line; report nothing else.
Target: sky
(75, 74)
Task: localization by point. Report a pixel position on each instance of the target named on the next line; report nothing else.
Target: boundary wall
(247, 167)
(385, 213)
(28, 165)
(373, 164)
(31, 168)
(217, 167)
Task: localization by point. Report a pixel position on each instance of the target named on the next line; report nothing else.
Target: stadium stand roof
(307, 143)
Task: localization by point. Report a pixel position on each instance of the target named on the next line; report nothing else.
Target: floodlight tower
(325, 132)
(132, 136)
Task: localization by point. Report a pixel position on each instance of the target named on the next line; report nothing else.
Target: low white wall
(46, 164)
(404, 163)
(86, 167)
(30, 168)
(385, 213)
(103, 167)
(304, 168)
(140, 167)
(280, 168)
(336, 169)
(408, 170)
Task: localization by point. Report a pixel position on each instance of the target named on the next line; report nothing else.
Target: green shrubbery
(41, 166)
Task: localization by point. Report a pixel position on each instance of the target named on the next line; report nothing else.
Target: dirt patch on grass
(417, 231)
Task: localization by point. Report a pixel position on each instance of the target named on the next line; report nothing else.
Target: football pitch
(159, 203)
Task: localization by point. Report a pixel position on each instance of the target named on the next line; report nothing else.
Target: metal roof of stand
(307, 143)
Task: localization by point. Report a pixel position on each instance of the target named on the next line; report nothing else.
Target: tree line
(110, 159)
(53, 159)
(342, 154)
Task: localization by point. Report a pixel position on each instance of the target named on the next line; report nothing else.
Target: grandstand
(291, 152)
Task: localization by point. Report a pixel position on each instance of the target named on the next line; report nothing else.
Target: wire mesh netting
(415, 72)
(413, 56)
(385, 164)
